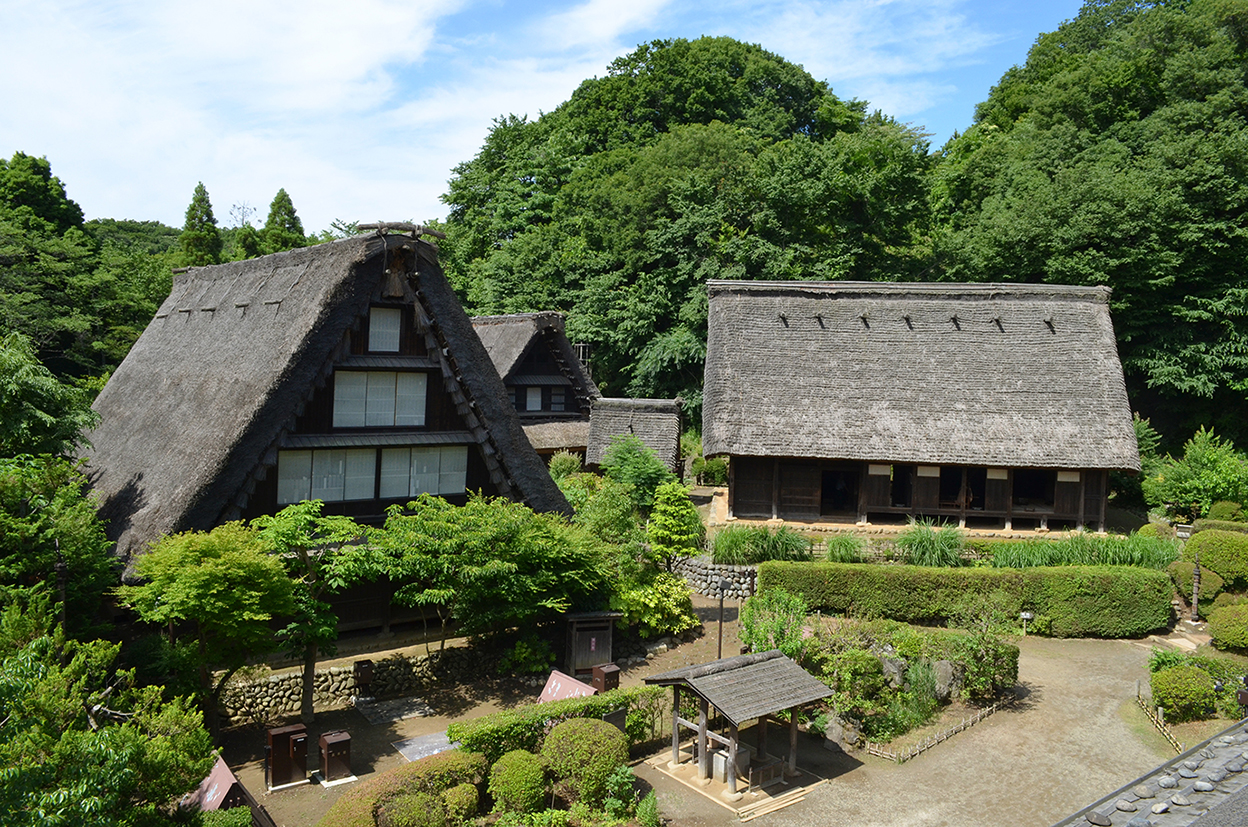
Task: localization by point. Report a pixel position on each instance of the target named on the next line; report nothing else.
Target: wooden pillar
(704, 755)
(676, 723)
(732, 757)
(793, 740)
(775, 489)
(762, 737)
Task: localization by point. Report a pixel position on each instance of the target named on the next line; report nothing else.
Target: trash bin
(606, 676)
(287, 755)
(364, 677)
(336, 755)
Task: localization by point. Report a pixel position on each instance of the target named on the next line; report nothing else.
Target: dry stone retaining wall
(703, 577)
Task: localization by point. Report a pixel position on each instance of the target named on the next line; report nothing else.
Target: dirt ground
(1074, 736)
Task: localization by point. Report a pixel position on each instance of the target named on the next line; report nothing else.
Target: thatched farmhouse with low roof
(991, 404)
(346, 372)
(544, 376)
(656, 422)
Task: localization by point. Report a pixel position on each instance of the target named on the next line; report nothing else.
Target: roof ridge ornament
(384, 227)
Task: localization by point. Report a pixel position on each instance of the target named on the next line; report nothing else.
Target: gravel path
(1075, 736)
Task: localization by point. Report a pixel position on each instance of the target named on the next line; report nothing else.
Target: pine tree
(200, 241)
(283, 230)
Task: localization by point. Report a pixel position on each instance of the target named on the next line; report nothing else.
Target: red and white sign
(560, 686)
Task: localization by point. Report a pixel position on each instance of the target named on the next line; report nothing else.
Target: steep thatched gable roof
(656, 422)
(1014, 375)
(195, 414)
(509, 339)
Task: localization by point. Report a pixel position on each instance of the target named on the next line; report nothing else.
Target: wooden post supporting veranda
(762, 738)
(793, 740)
(732, 757)
(675, 724)
(704, 754)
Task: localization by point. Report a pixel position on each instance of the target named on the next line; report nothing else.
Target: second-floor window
(378, 399)
(384, 325)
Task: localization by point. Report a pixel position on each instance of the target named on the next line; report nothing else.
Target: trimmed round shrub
(461, 803)
(1231, 512)
(1228, 626)
(1228, 599)
(1181, 573)
(518, 782)
(582, 753)
(1226, 552)
(415, 810)
(432, 775)
(1149, 530)
(1186, 693)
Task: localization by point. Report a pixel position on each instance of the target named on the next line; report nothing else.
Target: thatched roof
(195, 414)
(509, 339)
(747, 686)
(557, 435)
(656, 422)
(1014, 375)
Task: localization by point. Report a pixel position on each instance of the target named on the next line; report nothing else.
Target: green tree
(1210, 470)
(282, 229)
(38, 413)
(629, 461)
(675, 529)
(29, 190)
(320, 560)
(226, 586)
(493, 563)
(200, 241)
(687, 161)
(1112, 157)
(79, 743)
(46, 519)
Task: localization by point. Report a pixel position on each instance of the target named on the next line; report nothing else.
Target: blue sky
(361, 109)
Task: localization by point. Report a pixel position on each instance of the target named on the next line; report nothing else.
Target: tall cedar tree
(200, 241)
(282, 230)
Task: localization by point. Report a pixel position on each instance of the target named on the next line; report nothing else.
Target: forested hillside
(1115, 155)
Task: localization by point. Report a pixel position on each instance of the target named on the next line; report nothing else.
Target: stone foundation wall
(273, 696)
(703, 577)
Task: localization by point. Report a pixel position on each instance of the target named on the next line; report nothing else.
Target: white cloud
(598, 22)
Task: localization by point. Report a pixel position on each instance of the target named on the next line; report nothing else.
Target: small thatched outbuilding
(346, 372)
(849, 400)
(656, 422)
(545, 378)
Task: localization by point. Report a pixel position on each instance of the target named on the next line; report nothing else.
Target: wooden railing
(903, 755)
(1159, 721)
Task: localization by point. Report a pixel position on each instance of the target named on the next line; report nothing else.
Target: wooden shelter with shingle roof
(545, 378)
(741, 688)
(1000, 403)
(656, 422)
(346, 372)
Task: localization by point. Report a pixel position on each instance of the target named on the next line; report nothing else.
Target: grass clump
(923, 544)
(751, 545)
(1083, 549)
(845, 548)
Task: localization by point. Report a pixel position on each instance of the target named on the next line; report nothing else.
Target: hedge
(432, 775)
(1205, 524)
(525, 727)
(1225, 552)
(1068, 601)
(1228, 626)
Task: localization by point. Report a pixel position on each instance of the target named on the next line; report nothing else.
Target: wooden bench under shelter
(741, 688)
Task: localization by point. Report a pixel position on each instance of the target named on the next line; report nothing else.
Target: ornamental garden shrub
(461, 802)
(1068, 601)
(774, 620)
(1185, 692)
(413, 810)
(1181, 573)
(1228, 626)
(524, 727)
(582, 754)
(1225, 510)
(657, 604)
(433, 775)
(1219, 525)
(564, 464)
(1225, 552)
(518, 782)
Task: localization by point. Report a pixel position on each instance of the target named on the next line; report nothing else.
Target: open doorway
(840, 491)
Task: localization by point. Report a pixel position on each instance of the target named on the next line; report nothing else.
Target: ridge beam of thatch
(384, 227)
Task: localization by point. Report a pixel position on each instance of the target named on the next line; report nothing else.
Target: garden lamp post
(724, 586)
